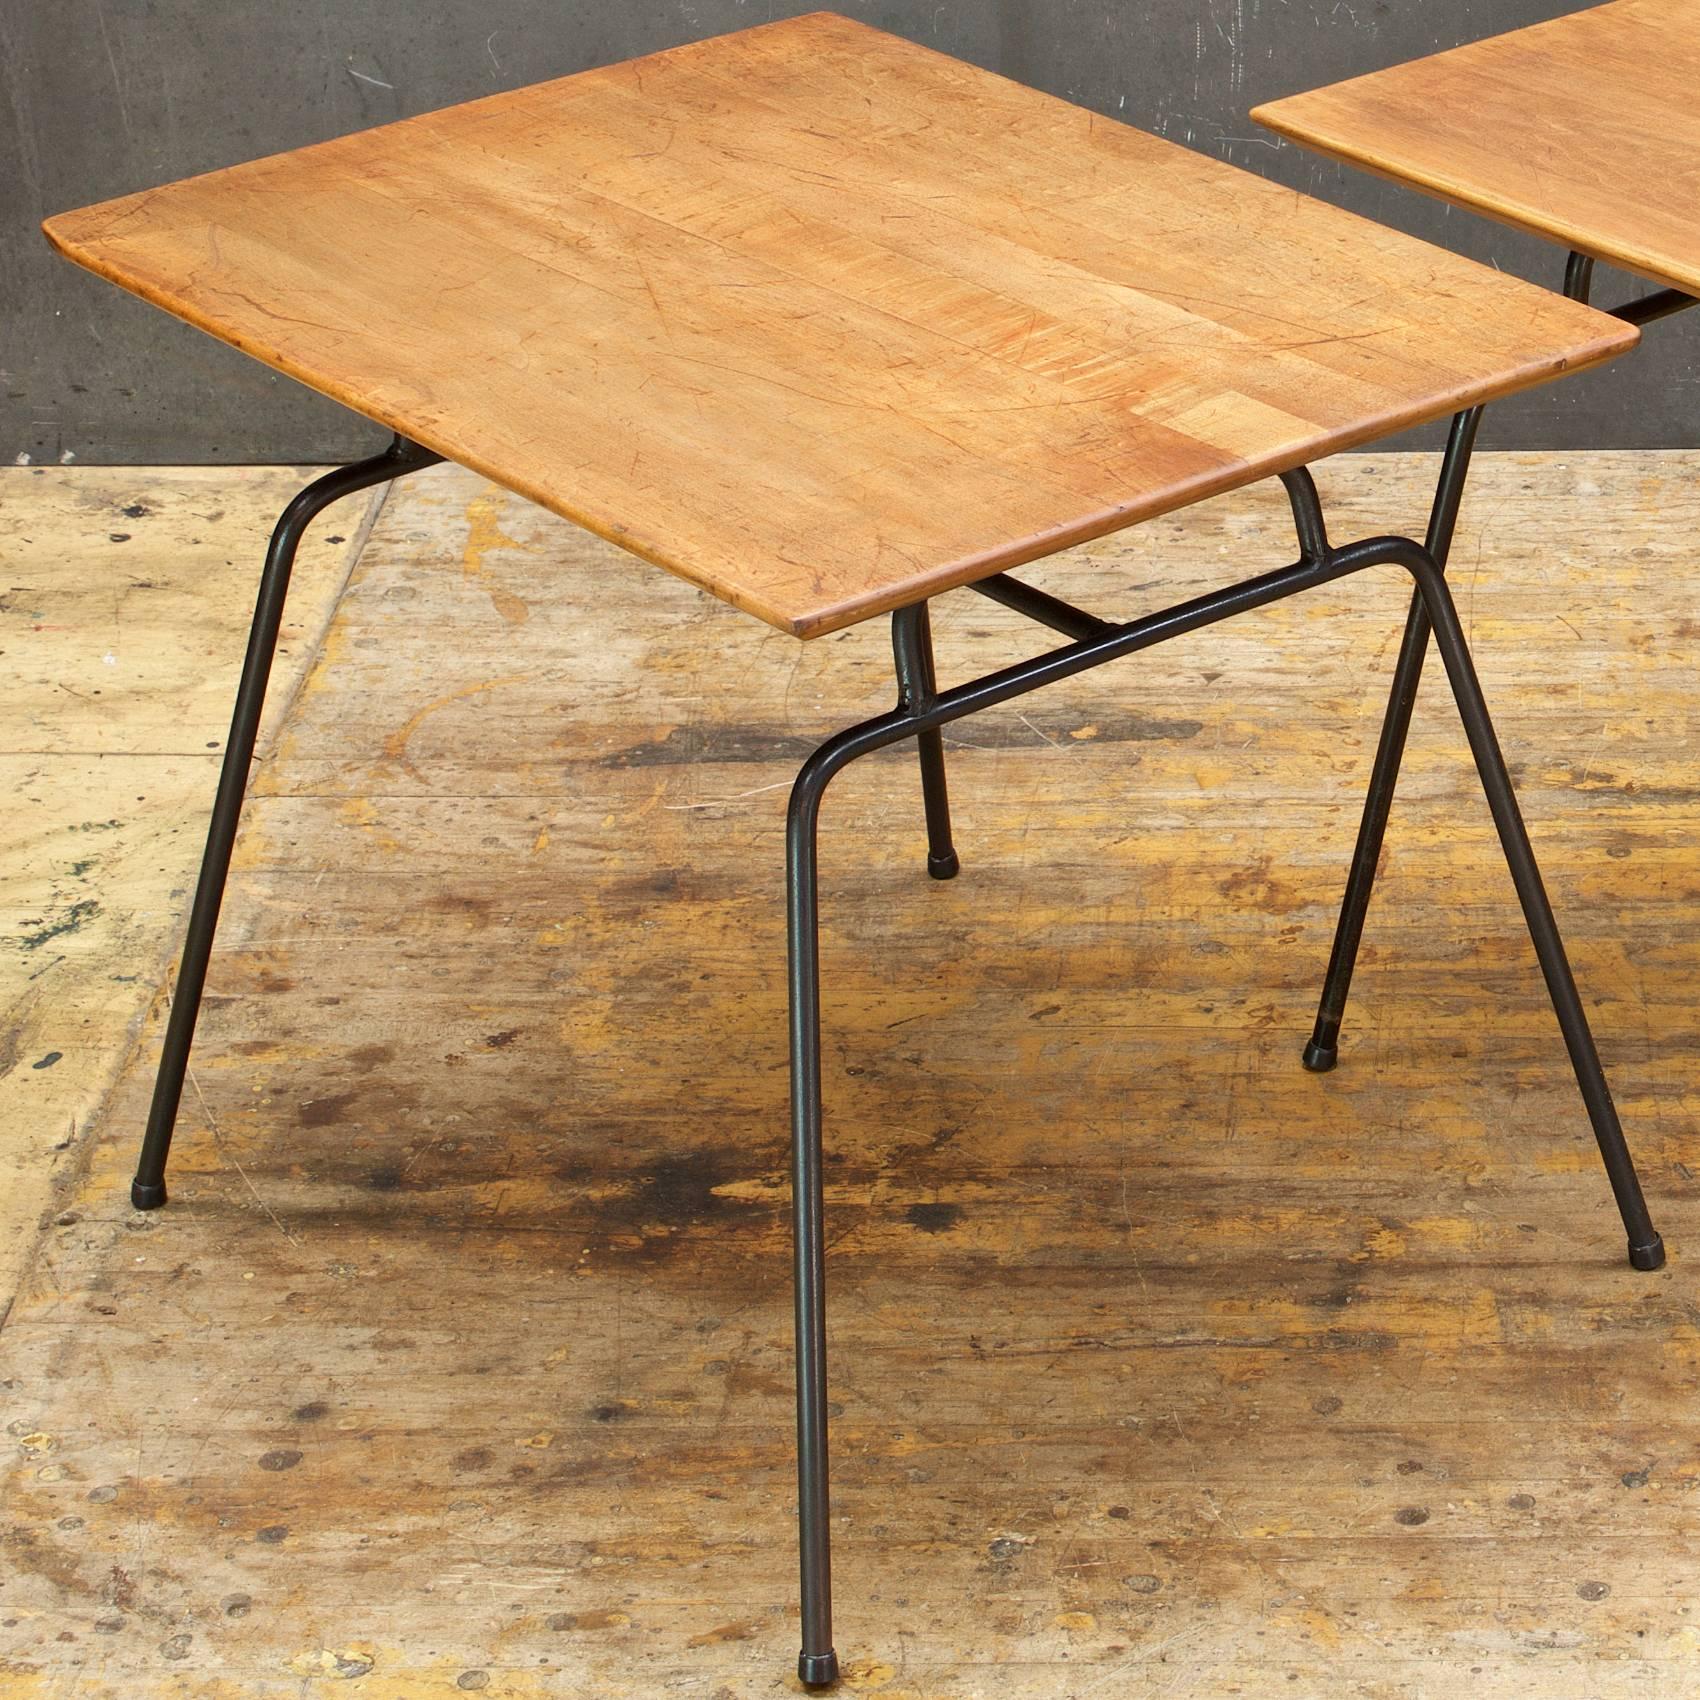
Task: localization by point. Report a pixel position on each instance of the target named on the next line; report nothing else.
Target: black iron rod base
(1645, 1248)
(912, 649)
(1323, 1050)
(921, 713)
(147, 1192)
(922, 710)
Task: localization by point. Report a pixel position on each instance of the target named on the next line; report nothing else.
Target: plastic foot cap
(1648, 1256)
(817, 1670)
(145, 1196)
(945, 867)
(1320, 1058)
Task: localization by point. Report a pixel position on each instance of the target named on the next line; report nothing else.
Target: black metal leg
(1646, 1250)
(1322, 1052)
(147, 1191)
(817, 1663)
(942, 861)
(911, 640)
(916, 681)
(1578, 276)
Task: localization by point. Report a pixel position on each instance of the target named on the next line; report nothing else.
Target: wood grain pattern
(460, 1362)
(823, 321)
(1585, 129)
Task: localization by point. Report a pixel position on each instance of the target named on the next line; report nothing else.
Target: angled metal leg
(147, 1191)
(1646, 1249)
(817, 1663)
(912, 644)
(1322, 1052)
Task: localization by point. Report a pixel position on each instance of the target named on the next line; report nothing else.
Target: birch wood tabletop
(822, 320)
(1585, 129)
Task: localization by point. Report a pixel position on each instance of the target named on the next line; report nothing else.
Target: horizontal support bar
(1076, 623)
(1024, 676)
(1659, 305)
(1048, 610)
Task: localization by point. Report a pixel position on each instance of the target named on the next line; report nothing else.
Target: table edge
(835, 616)
(1652, 268)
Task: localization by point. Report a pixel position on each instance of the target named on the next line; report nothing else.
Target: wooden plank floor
(460, 1360)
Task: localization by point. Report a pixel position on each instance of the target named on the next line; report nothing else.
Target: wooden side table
(830, 324)
(1585, 130)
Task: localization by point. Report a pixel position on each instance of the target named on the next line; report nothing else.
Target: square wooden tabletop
(822, 320)
(1585, 129)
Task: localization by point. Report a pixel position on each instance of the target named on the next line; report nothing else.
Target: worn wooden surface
(124, 602)
(1584, 129)
(460, 1360)
(822, 320)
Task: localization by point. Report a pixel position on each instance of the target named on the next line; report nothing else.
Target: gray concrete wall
(107, 96)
